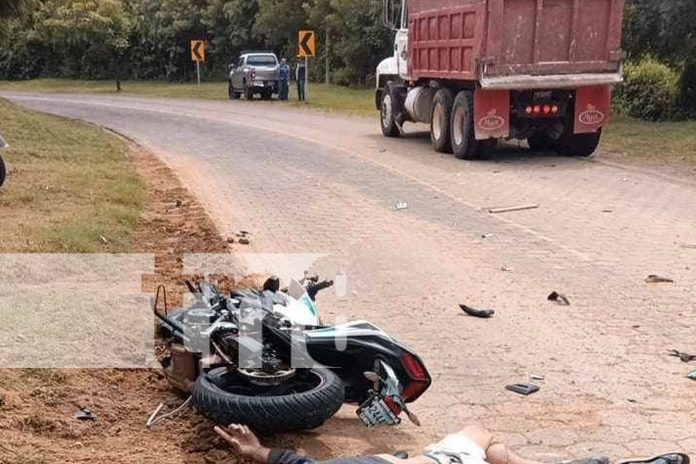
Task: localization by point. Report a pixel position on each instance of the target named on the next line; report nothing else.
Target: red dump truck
(482, 70)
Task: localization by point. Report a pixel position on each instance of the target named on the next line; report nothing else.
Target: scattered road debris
(536, 377)
(401, 205)
(523, 388)
(480, 313)
(631, 400)
(243, 237)
(153, 419)
(656, 279)
(487, 235)
(505, 268)
(382, 150)
(607, 210)
(692, 375)
(685, 357)
(510, 209)
(104, 240)
(85, 414)
(559, 298)
(230, 239)
(689, 246)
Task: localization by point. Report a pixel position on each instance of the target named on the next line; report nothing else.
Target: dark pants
(301, 89)
(283, 90)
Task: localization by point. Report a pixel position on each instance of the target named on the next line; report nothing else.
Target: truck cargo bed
(518, 43)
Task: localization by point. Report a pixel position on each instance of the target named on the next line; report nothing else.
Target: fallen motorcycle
(264, 359)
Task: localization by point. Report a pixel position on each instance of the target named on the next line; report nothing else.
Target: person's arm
(283, 456)
(247, 445)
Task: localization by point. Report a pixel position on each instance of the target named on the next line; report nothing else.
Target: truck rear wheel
(389, 110)
(578, 144)
(440, 121)
(464, 143)
(249, 93)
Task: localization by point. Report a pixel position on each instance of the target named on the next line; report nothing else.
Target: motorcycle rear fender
(352, 349)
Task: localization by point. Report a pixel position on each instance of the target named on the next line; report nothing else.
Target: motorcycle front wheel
(303, 402)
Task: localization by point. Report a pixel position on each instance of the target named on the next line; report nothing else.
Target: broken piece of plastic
(559, 298)
(481, 313)
(85, 414)
(656, 279)
(685, 357)
(523, 388)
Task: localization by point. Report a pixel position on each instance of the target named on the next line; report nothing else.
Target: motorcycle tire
(308, 400)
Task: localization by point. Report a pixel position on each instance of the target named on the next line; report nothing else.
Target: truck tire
(578, 144)
(305, 402)
(3, 171)
(389, 110)
(441, 113)
(249, 93)
(541, 141)
(464, 143)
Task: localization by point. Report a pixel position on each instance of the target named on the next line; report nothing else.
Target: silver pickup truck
(254, 73)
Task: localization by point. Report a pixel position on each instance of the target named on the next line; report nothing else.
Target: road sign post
(307, 41)
(198, 55)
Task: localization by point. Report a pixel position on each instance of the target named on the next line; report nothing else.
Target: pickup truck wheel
(232, 94)
(464, 143)
(583, 145)
(3, 171)
(440, 122)
(249, 93)
(390, 108)
(541, 141)
(266, 94)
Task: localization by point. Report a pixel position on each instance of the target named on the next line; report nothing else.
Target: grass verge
(668, 140)
(70, 188)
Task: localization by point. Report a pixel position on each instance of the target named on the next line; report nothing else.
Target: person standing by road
(283, 76)
(301, 77)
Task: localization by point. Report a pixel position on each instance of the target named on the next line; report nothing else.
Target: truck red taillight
(541, 110)
(418, 374)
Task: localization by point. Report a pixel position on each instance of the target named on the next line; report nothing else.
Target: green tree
(93, 31)
(230, 29)
(278, 22)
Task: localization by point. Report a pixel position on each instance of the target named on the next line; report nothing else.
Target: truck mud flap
(491, 114)
(592, 108)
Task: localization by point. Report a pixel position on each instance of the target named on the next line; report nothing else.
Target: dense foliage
(649, 91)
(149, 39)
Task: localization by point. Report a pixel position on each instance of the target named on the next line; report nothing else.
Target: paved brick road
(308, 182)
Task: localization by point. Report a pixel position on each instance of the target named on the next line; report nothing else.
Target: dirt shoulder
(37, 406)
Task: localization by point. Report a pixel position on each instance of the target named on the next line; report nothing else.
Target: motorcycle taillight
(413, 390)
(414, 367)
(419, 376)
